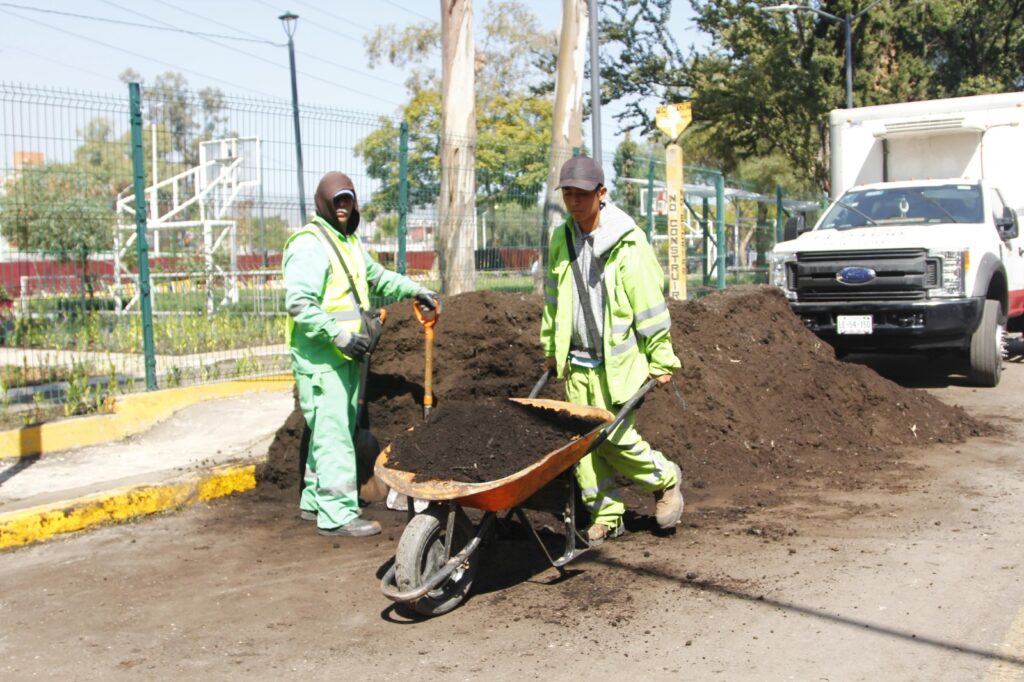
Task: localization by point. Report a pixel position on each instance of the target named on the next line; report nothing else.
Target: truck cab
(905, 262)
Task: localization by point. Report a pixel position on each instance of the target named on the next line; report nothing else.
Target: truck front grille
(900, 275)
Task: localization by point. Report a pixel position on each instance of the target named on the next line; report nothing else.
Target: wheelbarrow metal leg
(575, 543)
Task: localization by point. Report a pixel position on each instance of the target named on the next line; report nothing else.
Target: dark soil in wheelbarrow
(475, 441)
(760, 408)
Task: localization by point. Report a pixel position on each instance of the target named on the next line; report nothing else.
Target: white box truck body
(921, 247)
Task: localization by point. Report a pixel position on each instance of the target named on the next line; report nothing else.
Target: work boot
(599, 532)
(668, 503)
(356, 528)
(307, 515)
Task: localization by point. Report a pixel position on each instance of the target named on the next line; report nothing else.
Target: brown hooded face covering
(329, 187)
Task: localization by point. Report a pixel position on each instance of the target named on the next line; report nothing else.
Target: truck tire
(987, 346)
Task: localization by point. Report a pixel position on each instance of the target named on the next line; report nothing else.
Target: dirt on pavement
(760, 401)
(909, 572)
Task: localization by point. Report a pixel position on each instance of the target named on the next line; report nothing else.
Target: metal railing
(85, 313)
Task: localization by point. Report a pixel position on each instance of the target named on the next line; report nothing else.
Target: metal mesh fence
(221, 197)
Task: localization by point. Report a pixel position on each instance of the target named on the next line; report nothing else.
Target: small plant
(173, 376)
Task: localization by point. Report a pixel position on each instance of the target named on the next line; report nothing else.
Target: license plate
(853, 324)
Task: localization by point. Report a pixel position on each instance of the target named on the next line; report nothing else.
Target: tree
(632, 160)
(514, 63)
(186, 118)
(767, 81)
(639, 59)
(62, 210)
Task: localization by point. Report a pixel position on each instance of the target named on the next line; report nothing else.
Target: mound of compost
(483, 440)
(759, 404)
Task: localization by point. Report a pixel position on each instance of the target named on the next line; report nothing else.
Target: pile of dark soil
(760, 405)
(483, 440)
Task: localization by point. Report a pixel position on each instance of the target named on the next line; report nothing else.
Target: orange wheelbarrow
(438, 554)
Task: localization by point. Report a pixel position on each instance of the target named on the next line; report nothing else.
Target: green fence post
(650, 198)
(403, 194)
(778, 214)
(705, 277)
(720, 228)
(139, 174)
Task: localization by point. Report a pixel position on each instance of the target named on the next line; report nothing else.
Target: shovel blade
(371, 488)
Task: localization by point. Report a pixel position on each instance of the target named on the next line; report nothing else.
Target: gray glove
(372, 327)
(427, 300)
(356, 346)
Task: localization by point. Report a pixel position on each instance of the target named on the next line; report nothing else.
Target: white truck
(920, 249)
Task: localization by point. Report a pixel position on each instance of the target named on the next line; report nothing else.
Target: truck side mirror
(793, 228)
(1007, 224)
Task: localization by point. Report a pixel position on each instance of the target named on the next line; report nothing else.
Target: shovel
(366, 444)
(428, 318)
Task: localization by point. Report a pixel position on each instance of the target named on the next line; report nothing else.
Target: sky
(52, 49)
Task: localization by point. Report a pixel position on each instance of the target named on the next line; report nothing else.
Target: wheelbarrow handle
(623, 413)
(540, 382)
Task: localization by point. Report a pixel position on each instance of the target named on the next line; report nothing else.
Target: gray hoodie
(591, 253)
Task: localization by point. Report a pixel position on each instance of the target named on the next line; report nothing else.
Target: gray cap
(581, 172)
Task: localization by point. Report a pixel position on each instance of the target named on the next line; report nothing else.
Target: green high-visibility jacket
(320, 298)
(637, 341)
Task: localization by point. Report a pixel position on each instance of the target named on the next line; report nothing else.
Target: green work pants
(625, 452)
(329, 401)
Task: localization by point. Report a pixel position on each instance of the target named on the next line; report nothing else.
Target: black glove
(427, 300)
(356, 346)
(372, 327)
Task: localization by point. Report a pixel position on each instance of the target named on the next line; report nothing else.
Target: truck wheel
(987, 346)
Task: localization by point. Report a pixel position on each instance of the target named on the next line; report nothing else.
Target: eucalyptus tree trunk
(567, 116)
(457, 202)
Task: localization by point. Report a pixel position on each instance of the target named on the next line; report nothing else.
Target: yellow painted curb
(45, 521)
(132, 414)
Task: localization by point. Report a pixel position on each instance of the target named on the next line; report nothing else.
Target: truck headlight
(953, 271)
(777, 265)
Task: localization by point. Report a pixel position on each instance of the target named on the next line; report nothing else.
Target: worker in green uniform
(328, 278)
(605, 330)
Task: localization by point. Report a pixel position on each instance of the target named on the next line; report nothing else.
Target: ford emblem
(854, 275)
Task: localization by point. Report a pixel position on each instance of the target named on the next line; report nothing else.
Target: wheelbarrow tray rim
(507, 492)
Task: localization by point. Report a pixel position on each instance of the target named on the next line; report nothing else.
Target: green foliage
(182, 119)
(639, 59)
(515, 63)
(632, 160)
(762, 90)
(61, 209)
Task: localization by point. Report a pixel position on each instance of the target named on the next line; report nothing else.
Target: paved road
(916, 577)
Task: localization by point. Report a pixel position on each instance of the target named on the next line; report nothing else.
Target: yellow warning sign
(672, 119)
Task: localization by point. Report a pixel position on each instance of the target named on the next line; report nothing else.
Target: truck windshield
(891, 206)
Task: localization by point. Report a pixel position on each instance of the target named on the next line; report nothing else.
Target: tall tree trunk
(567, 116)
(457, 203)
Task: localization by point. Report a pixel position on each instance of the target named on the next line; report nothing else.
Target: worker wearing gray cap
(328, 277)
(605, 330)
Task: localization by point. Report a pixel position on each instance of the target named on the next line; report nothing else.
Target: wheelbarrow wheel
(421, 553)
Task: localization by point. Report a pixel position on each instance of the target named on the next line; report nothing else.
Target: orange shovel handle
(428, 319)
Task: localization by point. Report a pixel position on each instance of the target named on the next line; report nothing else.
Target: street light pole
(595, 83)
(847, 23)
(288, 20)
(848, 26)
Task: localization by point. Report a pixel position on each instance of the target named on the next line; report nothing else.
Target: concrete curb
(32, 525)
(131, 414)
